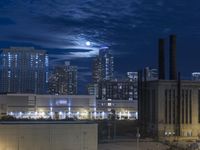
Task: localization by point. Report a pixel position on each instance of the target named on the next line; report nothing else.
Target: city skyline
(75, 31)
(99, 74)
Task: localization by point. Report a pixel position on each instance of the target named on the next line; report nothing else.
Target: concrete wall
(48, 136)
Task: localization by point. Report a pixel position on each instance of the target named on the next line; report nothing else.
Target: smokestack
(172, 58)
(161, 59)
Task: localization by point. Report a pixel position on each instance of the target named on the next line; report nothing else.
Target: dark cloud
(6, 21)
(129, 27)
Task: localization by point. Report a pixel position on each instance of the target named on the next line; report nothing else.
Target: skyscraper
(196, 76)
(107, 64)
(103, 66)
(63, 81)
(102, 70)
(23, 70)
(96, 70)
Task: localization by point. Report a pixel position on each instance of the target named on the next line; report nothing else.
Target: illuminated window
(109, 104)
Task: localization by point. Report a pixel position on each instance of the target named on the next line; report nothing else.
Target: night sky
(130, 28)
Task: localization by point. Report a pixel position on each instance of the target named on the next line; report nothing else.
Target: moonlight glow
(87, 43)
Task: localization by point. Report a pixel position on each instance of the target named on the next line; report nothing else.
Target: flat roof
(19, 122)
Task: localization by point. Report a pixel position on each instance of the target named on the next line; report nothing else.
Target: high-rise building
(196, 76)
(133, 77)
(107, 64)
(92, 89)
(151, 74)
(63, 80)
(96, 70)
(102, 70)
(23, 70)
(103, 66)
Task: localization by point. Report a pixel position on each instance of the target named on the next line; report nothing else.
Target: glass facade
(23, 70)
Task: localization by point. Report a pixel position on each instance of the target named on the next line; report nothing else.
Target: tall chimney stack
(172, 58)
(161, 59)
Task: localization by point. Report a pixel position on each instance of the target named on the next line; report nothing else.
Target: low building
(63, 107)
(48, 135)
(123, 109)
(48, 106)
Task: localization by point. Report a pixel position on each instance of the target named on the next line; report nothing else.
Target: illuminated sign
(61, 102)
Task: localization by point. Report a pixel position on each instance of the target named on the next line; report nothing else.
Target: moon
(88, 43)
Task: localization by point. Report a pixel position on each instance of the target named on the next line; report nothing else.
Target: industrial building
(169, 108)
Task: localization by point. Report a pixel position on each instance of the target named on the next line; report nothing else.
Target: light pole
(18, 143)
(113, 118)
(138, 137)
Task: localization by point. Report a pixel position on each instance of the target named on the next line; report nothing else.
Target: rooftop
(19, 122)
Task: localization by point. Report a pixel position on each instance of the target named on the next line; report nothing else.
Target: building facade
(117, 90)
(96, 70)
(151, 74)
(170, 108)
(103, 66)
(107, 64)
(23, 70)
(92, 89)
(196, 76)
(79, 107)
(133, 77)
(63, 80)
